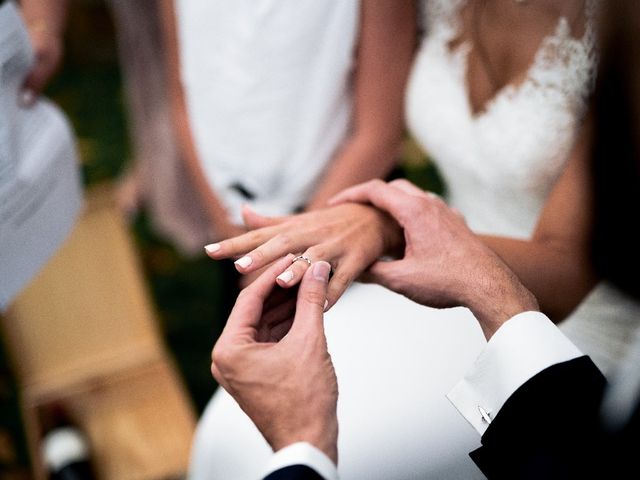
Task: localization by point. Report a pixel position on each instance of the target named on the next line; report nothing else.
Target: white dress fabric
(396, 360)
(268, 92)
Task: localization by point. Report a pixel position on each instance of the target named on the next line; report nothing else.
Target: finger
(241, 244)
(311, 302)
(272, 249)
(32, 87)
(343, 276)
(386, 274)
(458, 214)
(280, 330)
(245, 317)
(253, 219)
(278, 313)
(39, 76)
(395, 201)
(36, 80)
(355, 193)
(408, 187)
(293, 275)
(279, 296)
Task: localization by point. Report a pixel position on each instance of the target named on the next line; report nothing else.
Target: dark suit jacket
(550, 428)
(294, 472)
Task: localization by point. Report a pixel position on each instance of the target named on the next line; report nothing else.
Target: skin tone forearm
(47, 15)
(554, 264)
(385, 51)
(547, 268)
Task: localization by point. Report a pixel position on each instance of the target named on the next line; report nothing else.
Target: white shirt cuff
(302, 453)
(521, 348)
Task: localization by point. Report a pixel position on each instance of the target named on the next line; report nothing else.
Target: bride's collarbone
(502, 42)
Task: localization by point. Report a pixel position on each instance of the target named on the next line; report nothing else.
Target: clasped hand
(272, 358)
(443, 263)
(349, 236)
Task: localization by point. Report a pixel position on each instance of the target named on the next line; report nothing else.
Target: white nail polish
(244, 262)
(286, 276)
(214, 247)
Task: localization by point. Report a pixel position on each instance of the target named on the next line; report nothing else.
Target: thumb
(253, 219)
(312, 298)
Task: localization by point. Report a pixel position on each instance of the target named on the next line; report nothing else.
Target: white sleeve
(302, 453)
(521, 348)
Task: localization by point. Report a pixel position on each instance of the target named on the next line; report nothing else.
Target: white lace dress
(395, 360)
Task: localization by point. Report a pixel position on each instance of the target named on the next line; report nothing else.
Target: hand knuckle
(284, 240)
(221, 357)
(341, 278)
(316, 253)
(258, 256)
(400, 182)
(315, 297)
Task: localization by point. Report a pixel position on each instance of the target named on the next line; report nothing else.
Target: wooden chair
(84, 334)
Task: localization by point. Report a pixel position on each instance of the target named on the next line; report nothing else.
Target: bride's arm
(215, 210)
(555, 263)
(386, 45)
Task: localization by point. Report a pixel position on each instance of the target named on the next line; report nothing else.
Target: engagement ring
(301, 257)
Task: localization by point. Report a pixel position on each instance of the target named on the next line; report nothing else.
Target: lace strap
(441, 14)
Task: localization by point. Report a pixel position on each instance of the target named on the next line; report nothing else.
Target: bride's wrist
(393, 236)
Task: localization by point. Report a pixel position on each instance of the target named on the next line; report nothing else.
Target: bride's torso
(498, 164)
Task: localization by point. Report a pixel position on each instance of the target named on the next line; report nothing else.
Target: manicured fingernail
(244, 262)
(214, 247)
(326, 304)
(321, 271)
(286, 276)
(27, 98)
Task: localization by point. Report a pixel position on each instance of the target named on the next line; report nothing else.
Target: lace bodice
(500, 164)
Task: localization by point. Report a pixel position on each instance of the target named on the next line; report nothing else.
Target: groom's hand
(272, 358)
(444, 263)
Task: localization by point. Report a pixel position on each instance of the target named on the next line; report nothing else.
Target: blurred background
(186, 292)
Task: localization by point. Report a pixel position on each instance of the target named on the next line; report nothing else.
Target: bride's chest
(523, 135)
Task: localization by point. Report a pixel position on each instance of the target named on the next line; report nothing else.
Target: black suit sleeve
(549, 428)
(295, 472)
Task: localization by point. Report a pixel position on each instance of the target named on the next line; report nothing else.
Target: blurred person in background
(505, 116)
(548, 411)
(280, 105)
(157, 177)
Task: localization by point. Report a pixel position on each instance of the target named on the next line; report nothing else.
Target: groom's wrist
(498, 297)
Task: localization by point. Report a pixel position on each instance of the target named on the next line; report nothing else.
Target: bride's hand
(349, 236)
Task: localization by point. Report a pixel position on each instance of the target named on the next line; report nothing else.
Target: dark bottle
(65, 449)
